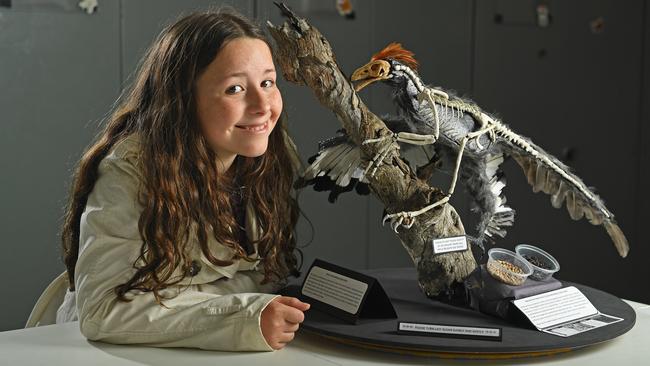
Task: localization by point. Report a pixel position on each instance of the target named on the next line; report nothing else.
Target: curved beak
(369, 73)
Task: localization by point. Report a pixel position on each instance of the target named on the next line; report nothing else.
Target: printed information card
(334, 289)
(451, 244)
(564, 312)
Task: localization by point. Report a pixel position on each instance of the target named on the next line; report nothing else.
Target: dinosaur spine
(506, 133)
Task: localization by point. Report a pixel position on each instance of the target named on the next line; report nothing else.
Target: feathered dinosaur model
(443, 125)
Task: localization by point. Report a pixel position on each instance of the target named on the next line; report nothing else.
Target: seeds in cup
(536, 262)
(504, 276)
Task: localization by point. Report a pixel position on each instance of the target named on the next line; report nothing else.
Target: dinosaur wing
(337, 168)
(547, 174)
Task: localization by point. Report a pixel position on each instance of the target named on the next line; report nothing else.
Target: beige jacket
(217, 309)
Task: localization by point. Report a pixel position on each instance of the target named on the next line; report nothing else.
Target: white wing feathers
(341, 163)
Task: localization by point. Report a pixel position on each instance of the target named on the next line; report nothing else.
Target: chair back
(44, 311)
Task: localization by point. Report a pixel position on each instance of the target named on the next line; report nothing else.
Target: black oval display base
(412, 306)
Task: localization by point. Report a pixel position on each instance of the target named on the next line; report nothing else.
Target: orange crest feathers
(396, 52)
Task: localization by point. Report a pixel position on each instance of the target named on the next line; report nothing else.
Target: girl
(180, 220)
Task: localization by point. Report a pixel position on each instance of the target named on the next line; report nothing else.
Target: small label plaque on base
(450, 331)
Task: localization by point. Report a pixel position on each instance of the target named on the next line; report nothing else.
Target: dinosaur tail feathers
(504, 217)
(485, 181)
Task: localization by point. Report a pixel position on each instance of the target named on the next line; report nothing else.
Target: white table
(64, 345)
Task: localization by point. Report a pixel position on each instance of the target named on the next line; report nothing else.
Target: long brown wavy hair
(181, 189)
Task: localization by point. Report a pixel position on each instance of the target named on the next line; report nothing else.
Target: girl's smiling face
(238, 103)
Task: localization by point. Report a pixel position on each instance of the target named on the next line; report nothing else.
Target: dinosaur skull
(371, 72)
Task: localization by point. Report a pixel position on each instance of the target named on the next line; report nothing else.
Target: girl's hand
(280, 320)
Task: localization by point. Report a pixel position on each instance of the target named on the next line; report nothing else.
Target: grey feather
(557, 199)
(541, 178)
(620, 242)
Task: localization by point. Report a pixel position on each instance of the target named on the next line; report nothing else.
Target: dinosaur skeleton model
(448, 126)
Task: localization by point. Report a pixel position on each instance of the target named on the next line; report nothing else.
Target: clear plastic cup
(502, 265)
(544, 265)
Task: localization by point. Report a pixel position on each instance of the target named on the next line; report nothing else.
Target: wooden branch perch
(306, 58)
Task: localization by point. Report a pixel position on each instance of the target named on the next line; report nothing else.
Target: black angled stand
(374, 303)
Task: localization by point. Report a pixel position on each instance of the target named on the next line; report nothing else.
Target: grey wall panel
(340, 229)
(642, 193)
(570, 89)
(440, 35)
(59, 74)
(142, 20)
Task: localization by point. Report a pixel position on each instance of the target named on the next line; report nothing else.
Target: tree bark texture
(306, 58)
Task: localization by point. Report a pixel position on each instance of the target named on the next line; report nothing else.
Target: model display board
(517, 340)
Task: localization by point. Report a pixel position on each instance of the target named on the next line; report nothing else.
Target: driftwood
(306, 58)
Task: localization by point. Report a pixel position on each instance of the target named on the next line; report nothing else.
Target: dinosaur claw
(398, 224)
